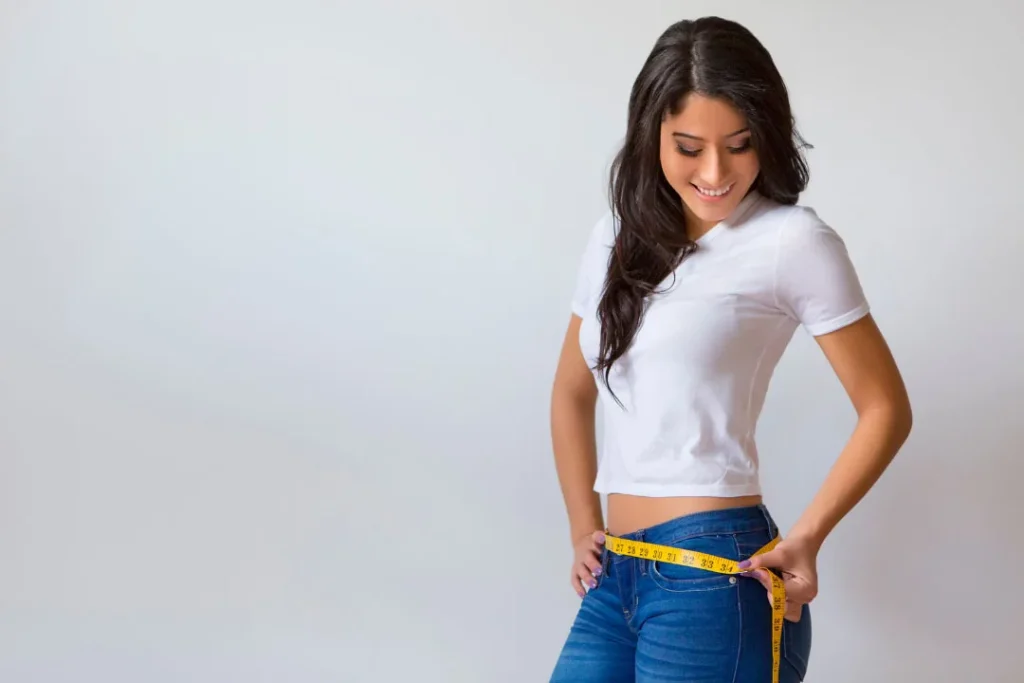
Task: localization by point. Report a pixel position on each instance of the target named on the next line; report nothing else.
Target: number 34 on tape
(711, 563)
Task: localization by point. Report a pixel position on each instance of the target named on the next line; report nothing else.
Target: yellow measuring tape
(712, 563)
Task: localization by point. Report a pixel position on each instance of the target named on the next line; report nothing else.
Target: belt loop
(641, 563)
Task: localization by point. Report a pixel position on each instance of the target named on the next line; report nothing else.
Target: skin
(707, 144)
(711, 154)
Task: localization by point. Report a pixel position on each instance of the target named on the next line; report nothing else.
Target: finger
(594, 562)
(764, 578)
(800, 591)
(585, 576)
(580, 582)
(577, 586)
(761, 575)
(594, 553)
(772, 558)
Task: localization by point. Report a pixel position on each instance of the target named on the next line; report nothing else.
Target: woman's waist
(664, 518)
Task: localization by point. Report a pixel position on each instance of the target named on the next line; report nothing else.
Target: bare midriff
(628, 513)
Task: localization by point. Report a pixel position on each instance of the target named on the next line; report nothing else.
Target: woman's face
(707, 159)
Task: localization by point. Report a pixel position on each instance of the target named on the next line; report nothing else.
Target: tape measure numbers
(711, 563)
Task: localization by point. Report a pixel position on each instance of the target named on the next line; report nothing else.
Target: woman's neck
(696, 227)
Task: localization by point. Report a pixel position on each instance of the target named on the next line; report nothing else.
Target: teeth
(713, 193)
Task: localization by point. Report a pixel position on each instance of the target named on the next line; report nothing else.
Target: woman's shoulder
(601, 239)
(798, 219)
(593, 262)
(791, 226)
(768, 211)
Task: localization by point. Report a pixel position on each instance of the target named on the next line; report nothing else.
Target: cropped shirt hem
(666, 490)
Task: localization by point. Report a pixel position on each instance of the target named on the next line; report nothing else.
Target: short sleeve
(593, 265)
(816, 283)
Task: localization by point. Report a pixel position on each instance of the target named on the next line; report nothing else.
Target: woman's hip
(692, 614)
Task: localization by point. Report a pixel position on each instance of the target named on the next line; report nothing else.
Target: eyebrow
(694, 137)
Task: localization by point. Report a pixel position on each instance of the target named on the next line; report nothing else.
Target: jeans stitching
(739, 618)
(712, 582)
(791, 657)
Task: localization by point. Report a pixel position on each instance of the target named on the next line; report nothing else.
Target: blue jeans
(649, 621)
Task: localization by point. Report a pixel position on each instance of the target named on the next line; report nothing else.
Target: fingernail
(597, 572)
(593, 584)
(744, 564)
(580, 593)
(600, 537)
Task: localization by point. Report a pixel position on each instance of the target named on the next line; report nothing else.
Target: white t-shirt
(693, 383)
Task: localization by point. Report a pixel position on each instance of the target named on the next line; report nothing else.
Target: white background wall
(282, 287)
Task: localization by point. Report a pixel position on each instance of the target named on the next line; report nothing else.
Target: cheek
(678, 169)
(747, 166)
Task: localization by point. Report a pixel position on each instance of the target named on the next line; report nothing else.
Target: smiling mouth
(713, 194)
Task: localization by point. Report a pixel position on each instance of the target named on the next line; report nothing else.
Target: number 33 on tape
(711, 563)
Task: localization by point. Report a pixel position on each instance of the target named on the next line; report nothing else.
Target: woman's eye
(732, 150)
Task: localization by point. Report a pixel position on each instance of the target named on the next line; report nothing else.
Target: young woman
(688, 293)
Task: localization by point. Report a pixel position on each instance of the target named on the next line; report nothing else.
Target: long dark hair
(716, 58)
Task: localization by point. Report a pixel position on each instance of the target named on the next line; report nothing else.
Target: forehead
(707, 117)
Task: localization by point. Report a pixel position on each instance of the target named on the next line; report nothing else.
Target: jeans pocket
(796, 643)
(680, 578)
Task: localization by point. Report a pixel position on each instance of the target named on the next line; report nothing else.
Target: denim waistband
(730, 520)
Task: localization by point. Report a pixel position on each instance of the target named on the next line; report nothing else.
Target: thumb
(772, 558)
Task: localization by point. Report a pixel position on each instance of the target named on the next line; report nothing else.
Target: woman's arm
(865, 367)
(573, 399)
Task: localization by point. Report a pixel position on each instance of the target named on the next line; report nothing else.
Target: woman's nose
(713, 170)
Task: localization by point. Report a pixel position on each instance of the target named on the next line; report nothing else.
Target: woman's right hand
(586, 566)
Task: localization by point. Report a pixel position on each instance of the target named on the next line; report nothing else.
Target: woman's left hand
(796, 559)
